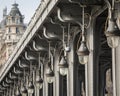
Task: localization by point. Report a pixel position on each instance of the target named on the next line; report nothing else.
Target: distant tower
(4, 12)
(14, 28)
(11, 28)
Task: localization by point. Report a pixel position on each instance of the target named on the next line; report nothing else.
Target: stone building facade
(11, 29)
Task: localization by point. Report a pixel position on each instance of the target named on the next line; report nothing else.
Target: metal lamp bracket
(87, 20)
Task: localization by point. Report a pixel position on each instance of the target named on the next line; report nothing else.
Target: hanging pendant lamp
(49, 71)
(63, 66)
(83, 52)
(39, 80)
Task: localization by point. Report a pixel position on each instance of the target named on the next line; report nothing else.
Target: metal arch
(59, 15)
(2, 87)
(4, 84)
(52, 37)
(12, 76)
(8, 81)
(39, 35)
(30, 57)
(108, 3)
(17, 71)
(51, 30)
(1, 91)
(69, 20)
(39, 48)
(22, 65)
(57, 21)
(44, 33)
(74, 18)
(66, 18)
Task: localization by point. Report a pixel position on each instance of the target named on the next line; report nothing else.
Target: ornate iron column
(89, 70)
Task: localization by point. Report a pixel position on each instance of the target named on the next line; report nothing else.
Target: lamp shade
(112, 33)
(49, 74)
(39, 82)
(63, 66)
(23, 89)
(13, 92)
(67, 49)
(30, 87)
(83, 53)
(18, 92)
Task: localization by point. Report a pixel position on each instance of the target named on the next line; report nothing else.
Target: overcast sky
(27, 7)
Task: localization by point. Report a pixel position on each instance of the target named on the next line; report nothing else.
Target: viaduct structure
(70, 48)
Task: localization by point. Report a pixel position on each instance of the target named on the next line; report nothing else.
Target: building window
(13, 19)
(17, 21)
(9, 37)
(17, 30)
(9, 29)
(9, 21)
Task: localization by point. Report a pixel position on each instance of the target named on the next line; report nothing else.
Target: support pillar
(37, 92)
(57, 78)
(45, 85)
(114, 71)
(89, 67)
(92, 68)
(117, 70)
(117, 56)
(70, 76)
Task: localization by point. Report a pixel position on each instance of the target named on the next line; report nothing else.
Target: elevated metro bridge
(45, 61)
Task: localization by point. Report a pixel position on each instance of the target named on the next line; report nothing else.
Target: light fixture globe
(83, 53)
(23, 90)
(13, 92)
(67, 49)
(18, 92)
(63, 66)
(112, 33)
(49, 74)
(30, 87)
(39, 82)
